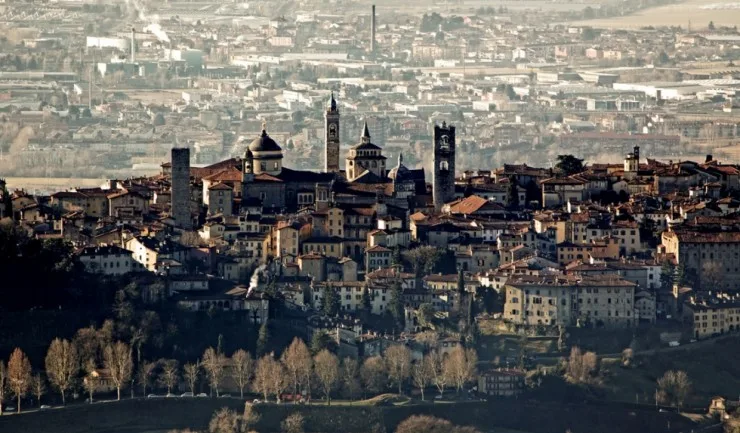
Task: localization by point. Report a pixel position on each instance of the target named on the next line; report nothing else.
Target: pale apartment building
(603, 300)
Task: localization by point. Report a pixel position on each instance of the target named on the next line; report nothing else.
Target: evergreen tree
(331, 303)
(397, 259)
(513, 193)
(395, 304)
(263, 339)
(367, 306)
(679, 277)
(569, 164)
(8, 203)
(319, 341)
(460, 282)
(471, 308)
(667, 276)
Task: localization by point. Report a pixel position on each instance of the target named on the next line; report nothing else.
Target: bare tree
(278, 378)
(374, 375)
(421, 374)
(145, 375)
(90, 381)
(62, 364)
(224, 421)
(674, 387)
(294, 423)
(459, 366)
(429, 424)
(297, 361)
(3, 383)
(627, 355)
(19, 375)
(269, 377)
(251, 417)
(38, 385)
(350, 373)
(214, 363)
(712, 273)
(191, 239)
(581, 366)
(398, 365)
(241, 369)
(436, 369)
(170, 373)
(117, 359)
(191, 371)
(326, 366)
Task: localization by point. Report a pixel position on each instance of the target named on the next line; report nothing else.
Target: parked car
(7, 409)
(225, 395)
(187, 394)
(154, 396)
(44, 407)
(202, 394)
(170, 395)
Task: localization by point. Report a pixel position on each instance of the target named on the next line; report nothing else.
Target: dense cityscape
(467, 217)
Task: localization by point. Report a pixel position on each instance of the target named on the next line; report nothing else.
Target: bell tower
(443, 173)
(331, 140)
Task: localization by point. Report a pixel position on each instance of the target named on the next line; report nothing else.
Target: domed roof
(400, 173)
(264, 143)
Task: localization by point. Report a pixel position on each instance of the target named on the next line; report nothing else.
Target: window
(444, 166)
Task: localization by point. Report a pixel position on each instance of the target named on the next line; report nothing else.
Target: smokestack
(372, 30)
(133, 45)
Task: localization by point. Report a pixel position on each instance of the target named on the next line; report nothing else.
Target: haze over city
(361, 217)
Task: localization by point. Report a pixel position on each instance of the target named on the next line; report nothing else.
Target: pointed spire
(332, 103)
(366, 134)
(400, 159)
(264, 128)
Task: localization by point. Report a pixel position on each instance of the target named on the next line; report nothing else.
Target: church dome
(264, 143)
(400, 173)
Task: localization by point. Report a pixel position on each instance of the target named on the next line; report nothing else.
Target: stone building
(570, 300)
(331, 140)
(181, 188)
(443, 179)
(711, 259)
(365, 157)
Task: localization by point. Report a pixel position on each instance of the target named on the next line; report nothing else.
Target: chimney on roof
(709, 159)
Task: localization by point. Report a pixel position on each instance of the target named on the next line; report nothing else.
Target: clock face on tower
(332, 131)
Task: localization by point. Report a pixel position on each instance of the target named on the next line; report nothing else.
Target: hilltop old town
(445, 210)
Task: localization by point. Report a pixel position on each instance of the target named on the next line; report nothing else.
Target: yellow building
(710, 320)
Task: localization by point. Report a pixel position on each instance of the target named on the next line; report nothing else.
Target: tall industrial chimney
(372, 30)
(133, 45)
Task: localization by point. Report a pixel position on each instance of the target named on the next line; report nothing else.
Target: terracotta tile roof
(468, 205)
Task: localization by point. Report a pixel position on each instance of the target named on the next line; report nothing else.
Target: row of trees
(72, 364)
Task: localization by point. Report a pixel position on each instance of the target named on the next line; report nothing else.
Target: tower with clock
(443, 175)
(331, 143)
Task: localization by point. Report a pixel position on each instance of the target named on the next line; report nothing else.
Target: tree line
(80, 364)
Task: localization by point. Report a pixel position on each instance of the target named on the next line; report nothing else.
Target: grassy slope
(161, 415)
(711, 368)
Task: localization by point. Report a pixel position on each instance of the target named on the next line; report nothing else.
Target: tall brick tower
(443, 174)
(331, 140)
(181, 188)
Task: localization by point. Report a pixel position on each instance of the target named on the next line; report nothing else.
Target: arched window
(444, 165)
(444, 142)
